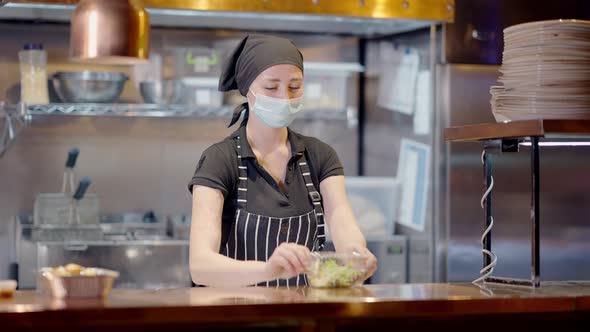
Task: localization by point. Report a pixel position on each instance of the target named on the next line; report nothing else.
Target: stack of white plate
(545, 72)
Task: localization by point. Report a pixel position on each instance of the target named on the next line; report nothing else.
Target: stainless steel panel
(420, 259)
(141, 264)
(27, 263)
(392, 257)
(384, 130)
(565, 233)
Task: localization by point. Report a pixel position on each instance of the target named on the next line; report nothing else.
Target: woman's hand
(372, 260)
(287, 261)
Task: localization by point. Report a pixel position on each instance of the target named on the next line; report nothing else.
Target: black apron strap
(316, 200)
(242, 178)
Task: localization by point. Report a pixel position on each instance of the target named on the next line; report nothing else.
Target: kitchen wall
(136, 164)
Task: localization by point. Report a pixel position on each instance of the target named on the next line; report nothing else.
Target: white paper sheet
(397, 83)
(423, 105)
(414, 173)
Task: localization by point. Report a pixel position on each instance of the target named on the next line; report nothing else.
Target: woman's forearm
(346, 233)
(342, 225)
(213, 269)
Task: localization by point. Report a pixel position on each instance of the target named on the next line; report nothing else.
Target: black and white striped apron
(255, 237)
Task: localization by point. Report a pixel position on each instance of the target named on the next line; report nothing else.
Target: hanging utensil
(74, 218)
(69, 176)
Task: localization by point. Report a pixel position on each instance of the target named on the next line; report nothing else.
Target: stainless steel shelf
(129, 110)
(16, 117)
(166, 111)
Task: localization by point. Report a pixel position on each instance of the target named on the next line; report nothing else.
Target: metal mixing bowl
(162, 92)
(88, 86)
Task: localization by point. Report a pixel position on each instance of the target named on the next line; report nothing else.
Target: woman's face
(280, 81)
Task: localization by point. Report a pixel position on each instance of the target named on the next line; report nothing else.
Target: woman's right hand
(287, 261)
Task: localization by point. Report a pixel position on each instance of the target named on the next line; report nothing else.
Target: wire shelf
(166, 111)
(16, 117)
(130, 110)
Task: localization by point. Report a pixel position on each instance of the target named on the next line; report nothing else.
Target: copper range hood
(114, 32)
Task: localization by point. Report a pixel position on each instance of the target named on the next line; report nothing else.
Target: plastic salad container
(337, 270)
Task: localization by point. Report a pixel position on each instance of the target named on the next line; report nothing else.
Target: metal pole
(487, 242)
(535, 212)
(362, 54)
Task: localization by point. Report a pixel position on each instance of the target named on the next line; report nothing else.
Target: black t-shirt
(218, 169)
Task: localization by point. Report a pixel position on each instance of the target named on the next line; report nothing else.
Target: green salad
(330, 274)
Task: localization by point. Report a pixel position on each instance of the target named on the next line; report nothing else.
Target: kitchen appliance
(144, 255)
(110, 32)
(69, 214)
(61, 216)
(134, 226)
(181, 226)
(142, 264)
(392, 259)
(88, 86)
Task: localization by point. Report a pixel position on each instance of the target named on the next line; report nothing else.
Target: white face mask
(276, 112)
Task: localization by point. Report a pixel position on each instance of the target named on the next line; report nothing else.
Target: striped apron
(255, 237)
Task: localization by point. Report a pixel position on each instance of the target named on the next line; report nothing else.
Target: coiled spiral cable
(487, 271)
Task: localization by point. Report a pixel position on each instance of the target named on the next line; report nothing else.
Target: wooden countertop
(528, 128)
(299, 309)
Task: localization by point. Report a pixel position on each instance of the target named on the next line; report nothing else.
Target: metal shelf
(165, 111)
(16, 117)
(14, 120)
(519, 129)
(129, 110)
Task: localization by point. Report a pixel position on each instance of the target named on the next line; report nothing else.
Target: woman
(257, 214)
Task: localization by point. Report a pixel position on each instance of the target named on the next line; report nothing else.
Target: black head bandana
(253, 55)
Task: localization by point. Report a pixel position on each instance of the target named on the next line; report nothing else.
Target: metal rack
(17, 116)
(508, 137)
(128, 110)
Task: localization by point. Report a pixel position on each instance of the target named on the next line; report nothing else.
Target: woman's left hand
(372, 263)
